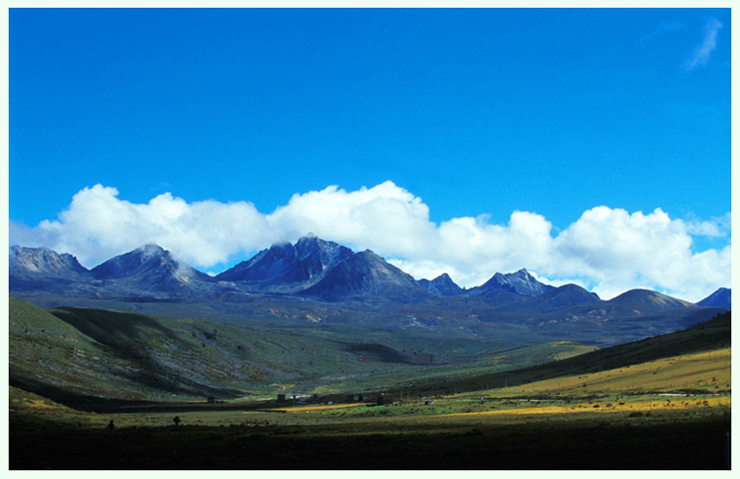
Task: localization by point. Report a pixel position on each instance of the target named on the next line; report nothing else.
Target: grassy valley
(104, 389)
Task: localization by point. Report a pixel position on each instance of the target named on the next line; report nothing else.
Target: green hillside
(457, 377)
(80, 355)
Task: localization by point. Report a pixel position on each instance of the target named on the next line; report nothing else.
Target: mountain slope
(40, 268)
(570, 313)
(150, 261)
(722, 298)
(563, 297)
(646, 301)
(55, 358)
(442, 285)
(79, 356)
(366, 275)
(150, 269)
(288, 265)
(631, 316)
(712, 335)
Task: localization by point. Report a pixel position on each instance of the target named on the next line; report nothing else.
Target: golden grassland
(699, 382)
(322, 407)
(707, 370)
(601, 407)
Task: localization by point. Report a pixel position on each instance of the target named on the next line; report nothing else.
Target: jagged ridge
(300, 265)
(312, 268)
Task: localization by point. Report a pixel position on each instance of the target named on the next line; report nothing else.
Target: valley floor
(537, 435)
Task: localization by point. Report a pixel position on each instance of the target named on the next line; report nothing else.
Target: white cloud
(703, 51)
(476, 248)
(619, 251)
(609, 250)
(714, 228)
(97, 225)
(383, 218)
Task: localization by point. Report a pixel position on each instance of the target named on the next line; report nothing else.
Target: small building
(281, 397)
(214, 400)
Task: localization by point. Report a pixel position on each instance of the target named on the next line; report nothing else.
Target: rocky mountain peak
(142, 259)
(285, 263)
(520, 282)
(442, 285)
(43, 261)
(366, 275)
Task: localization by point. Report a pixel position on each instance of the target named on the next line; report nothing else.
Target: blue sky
(456, 118)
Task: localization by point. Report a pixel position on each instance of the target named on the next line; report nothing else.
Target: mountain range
(322, 281)
(311, 268)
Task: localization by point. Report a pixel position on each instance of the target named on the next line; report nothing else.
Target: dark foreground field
(670, 440)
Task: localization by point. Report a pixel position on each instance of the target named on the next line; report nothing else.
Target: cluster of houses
(318, 399)
(380, 400)
(383, 398)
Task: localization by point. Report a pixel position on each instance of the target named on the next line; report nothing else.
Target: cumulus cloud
(703, 50)
(98, 225)
(618, 251)
(606, 250)
(383, 218)
(714, 228)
